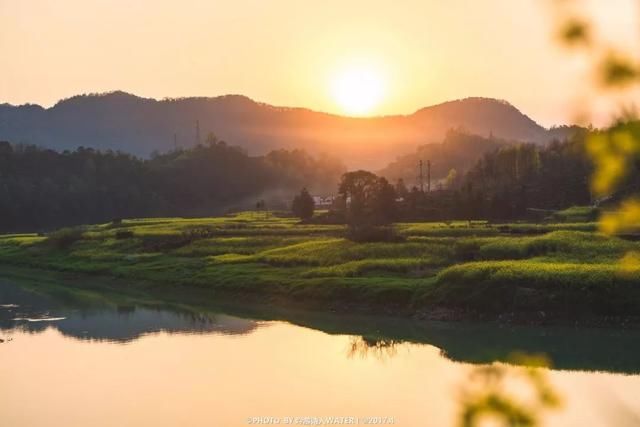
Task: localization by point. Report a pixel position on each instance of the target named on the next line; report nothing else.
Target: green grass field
(566, 267)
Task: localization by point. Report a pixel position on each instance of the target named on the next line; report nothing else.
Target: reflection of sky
(64, 372)
(32, 312)
(568, 348)
(283, 370)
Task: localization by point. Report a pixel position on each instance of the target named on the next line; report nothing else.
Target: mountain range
(125, 122)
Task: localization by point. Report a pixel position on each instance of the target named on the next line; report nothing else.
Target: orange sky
(285, 52)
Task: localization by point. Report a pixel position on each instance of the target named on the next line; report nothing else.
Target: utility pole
(421, 179)
(197, 132)
(429, 176)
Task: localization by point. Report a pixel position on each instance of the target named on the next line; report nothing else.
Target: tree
(369, 199)
(356, 189)
(384, 202)
(303, 205)
(43, 189)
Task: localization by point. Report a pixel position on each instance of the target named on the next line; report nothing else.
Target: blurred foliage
(489, 395)
(630, 263)
(615, 151)
(575, 31)
(624, 219)
(619, 70)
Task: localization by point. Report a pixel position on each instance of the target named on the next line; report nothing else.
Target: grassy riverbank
(374, 335)
(562, 269)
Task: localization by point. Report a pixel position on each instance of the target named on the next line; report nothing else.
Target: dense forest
(517, 181)
(510, 181)
(459, 151)
(41, 189)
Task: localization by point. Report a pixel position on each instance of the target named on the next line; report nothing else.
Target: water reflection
(94, 316)
(218, 369)
(32, 311)
(380, 349)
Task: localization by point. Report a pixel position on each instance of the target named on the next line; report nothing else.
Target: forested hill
(42, 189)
(121, 121)
(459, 151)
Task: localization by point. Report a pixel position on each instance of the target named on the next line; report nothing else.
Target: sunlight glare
(358, 89)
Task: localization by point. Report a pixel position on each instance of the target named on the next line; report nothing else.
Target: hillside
(121, 121)
(459, 151)
(457, 269)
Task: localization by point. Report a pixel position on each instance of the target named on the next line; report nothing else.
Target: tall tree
(303, 205)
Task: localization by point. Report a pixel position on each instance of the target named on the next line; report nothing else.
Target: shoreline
(462, 340)
(278, 306)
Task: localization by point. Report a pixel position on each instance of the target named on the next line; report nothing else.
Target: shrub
(466, 250)
(303, 205)
(65, 237)
(167, 242)
(565, 288)
(124, 234)
(577, 214)
(204, 232)
(373, 234)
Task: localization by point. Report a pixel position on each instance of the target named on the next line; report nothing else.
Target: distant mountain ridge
(122, 121)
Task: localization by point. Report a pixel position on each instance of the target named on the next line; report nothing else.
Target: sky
(297, 52)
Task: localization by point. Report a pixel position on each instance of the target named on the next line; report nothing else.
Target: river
(70, 359)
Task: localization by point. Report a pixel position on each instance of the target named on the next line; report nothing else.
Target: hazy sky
(287, 52)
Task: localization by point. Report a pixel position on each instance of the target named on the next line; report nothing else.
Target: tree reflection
(381, 349)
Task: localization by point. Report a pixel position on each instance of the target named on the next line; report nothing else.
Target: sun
(358, 89)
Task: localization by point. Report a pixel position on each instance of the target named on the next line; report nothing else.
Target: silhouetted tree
(357, 189)
(303, 205)
(383, 202)
(369, 199)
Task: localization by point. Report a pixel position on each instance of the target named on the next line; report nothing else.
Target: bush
(65, 237)
(466, 250)
(577, 214)
(124, 234)
(303, 205)
(330, 217)
(564, 288)
(167, 242)
(373, 234)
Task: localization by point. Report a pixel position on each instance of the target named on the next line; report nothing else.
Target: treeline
(41, 189)
(515, 181)
(511, 182)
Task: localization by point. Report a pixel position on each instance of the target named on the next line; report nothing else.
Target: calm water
(74, 360)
